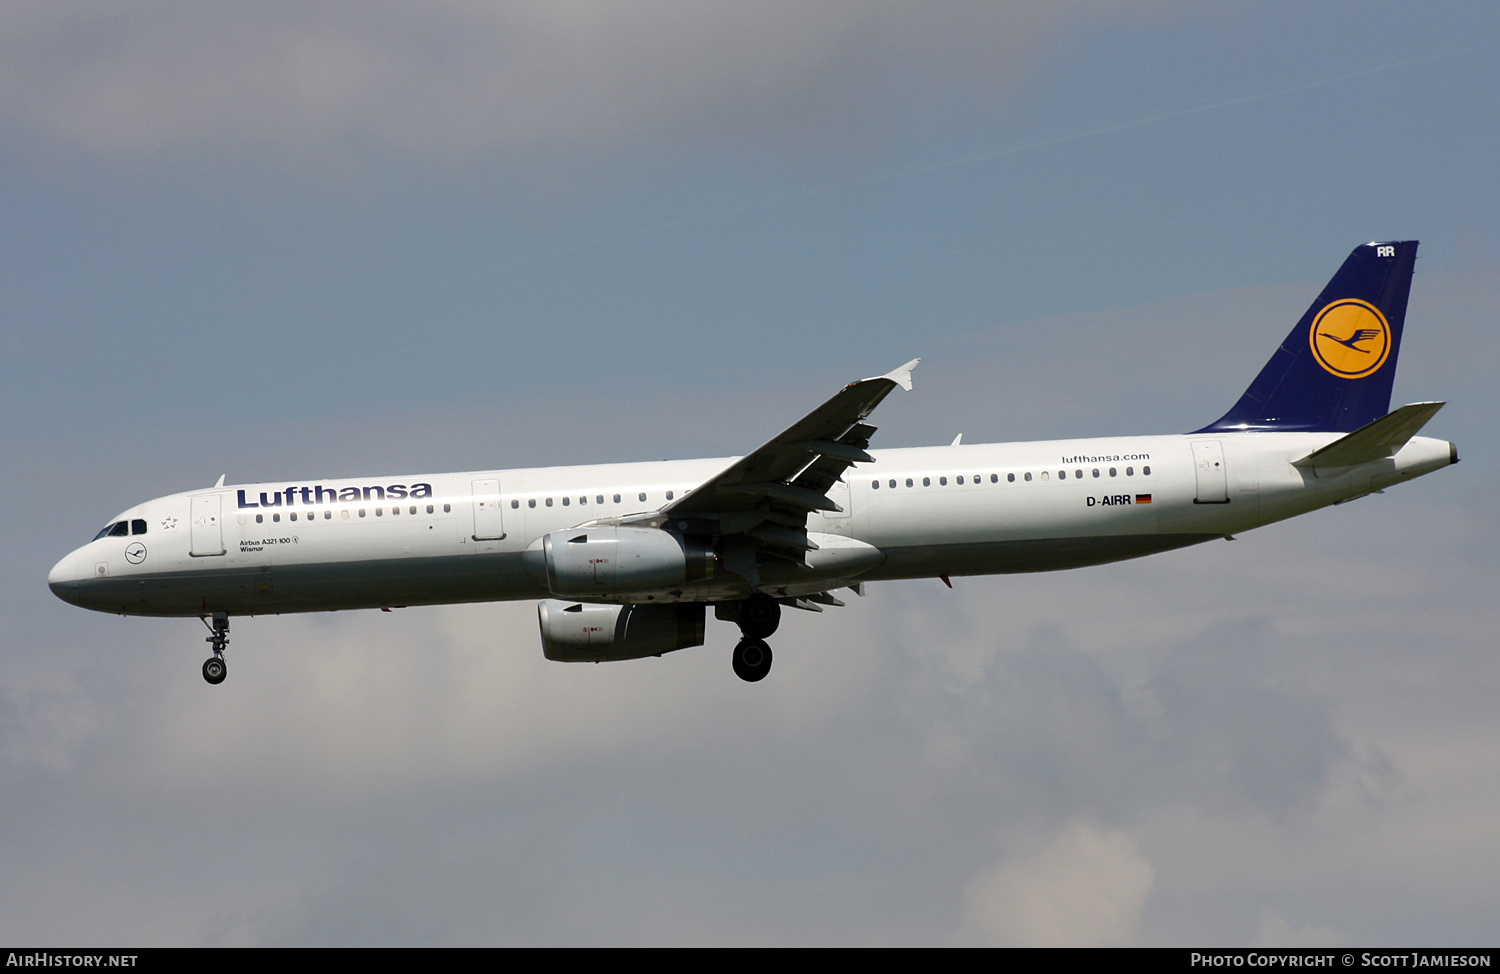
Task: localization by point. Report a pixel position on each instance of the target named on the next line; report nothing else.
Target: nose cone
(63, 578)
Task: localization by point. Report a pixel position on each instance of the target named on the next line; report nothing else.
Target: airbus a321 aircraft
(627, 558)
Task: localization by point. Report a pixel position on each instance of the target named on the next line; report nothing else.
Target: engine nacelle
(613, 560)
(579, 632)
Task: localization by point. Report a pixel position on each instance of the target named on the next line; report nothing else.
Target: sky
(291, 240)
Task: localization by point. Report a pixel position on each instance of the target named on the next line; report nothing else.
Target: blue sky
(288, 240)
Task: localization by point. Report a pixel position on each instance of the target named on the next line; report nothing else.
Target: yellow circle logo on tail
(1350, 338)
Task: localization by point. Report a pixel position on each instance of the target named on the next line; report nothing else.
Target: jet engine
(578, 632)
(609, 561)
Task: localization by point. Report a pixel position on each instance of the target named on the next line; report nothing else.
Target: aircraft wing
(761, 502)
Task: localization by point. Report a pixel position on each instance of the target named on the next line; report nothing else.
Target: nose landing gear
(759, 617)
(214, 669)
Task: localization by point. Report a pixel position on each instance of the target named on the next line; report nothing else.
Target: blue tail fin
(1334, 371)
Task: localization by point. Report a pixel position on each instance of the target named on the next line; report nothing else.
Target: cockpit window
(119, 529)
(138, 526)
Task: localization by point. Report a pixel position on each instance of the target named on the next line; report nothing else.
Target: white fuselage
(460, 537)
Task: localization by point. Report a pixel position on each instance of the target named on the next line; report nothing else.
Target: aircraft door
(488, 521)
(1208, 466)
(207, 528)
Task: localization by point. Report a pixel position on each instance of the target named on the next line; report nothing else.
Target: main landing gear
(214, 669)
(759, 616)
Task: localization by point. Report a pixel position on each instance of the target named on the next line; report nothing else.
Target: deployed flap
(1374, 441)
(827, 439)
(756, 510)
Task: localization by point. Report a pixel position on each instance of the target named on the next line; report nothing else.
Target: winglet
(901, 376)
(220, 482)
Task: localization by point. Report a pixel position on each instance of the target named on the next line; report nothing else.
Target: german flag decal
(1143, 498)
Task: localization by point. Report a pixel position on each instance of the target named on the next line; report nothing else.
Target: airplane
(625, 559)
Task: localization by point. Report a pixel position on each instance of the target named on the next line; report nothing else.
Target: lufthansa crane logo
(1350, 338)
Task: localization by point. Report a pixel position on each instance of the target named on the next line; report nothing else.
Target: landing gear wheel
(214, 669)
(752, 660)
(760, 615)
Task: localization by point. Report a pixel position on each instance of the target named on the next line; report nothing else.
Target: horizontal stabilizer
(1374, 441)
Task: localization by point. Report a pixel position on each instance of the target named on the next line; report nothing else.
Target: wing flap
(820, 439)
(757, 508)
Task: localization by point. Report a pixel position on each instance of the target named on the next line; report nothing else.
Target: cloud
(1086, 889)
(449, 78)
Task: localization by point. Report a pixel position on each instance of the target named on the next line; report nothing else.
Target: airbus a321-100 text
(626, 559)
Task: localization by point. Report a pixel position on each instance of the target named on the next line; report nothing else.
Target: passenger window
(643, 496)
(565, 502)
(138, 526)
(344, 514)
(583, 501)
(617, 498)
(260, 519)
(294, 515)
(599, 499)
(276, 517)
(549, 502)
(669, 495)
(531, 502)
(1145, 471)
(1044, 475)
(328, 515)
(361, 512)
(1130, 471)
(513, 506)
(942, 481)
(379, 512)
(447, 508)
(893, 485)
(875, 485)
(1010, 478)
(1111, 471)
(926, 481)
